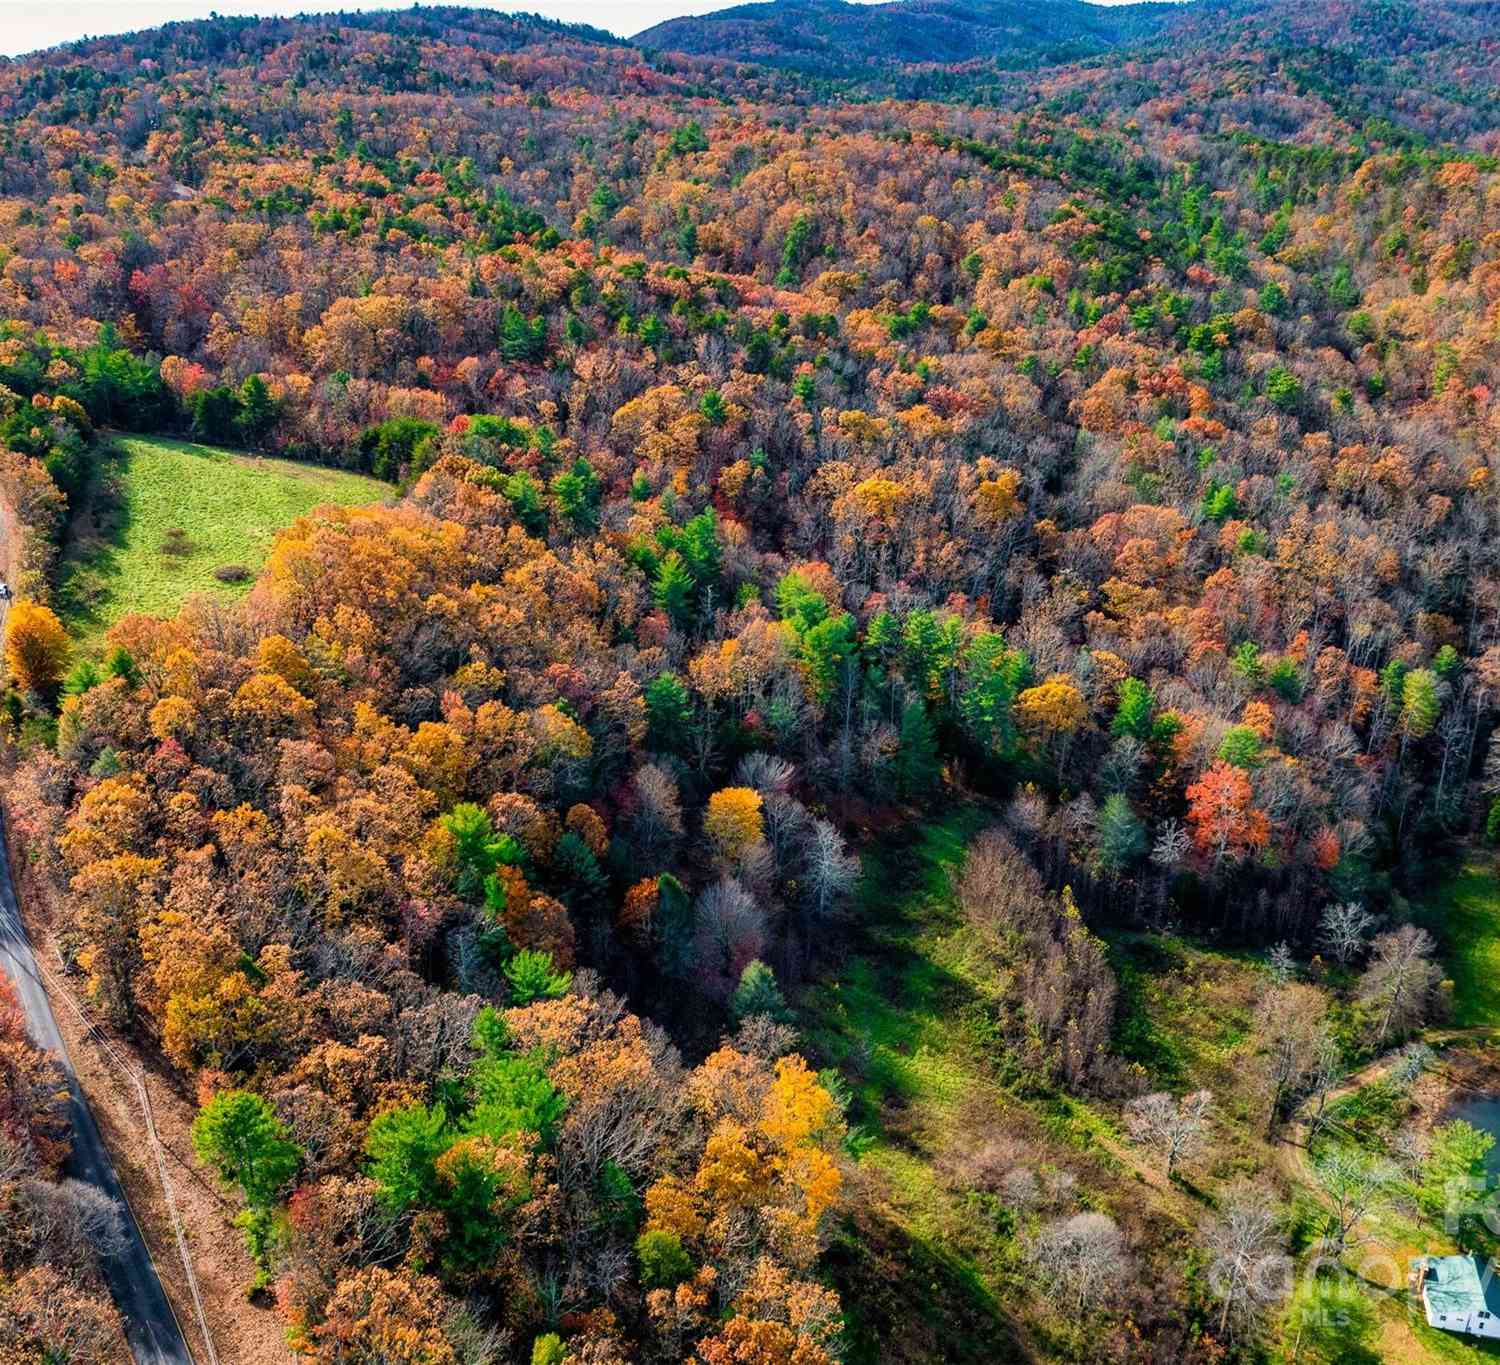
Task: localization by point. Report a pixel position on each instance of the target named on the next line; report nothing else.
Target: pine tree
(1133, 710)
(1121, 836)
(917, 763)
(673, 588)
(758, 993)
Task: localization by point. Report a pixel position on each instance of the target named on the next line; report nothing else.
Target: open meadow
(168, 518)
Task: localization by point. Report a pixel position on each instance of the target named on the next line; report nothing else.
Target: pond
(1483, 1112)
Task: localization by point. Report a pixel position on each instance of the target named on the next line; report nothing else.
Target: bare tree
(999, 890)
(1401, 980)
(766, 773)
(1020, 1188)
(1172, 1128)
(71, 1224)
(1282, 964)
(1290, 1022)
(15, 1161)
(788, 826)
(1327, 1071)
(764, 1037)
(1411, 1062)
(831, 869)
(476, 1342)
(1248, 1272)
(731, 930)
(1172, 846)
(657, 821)
(1343, 930)
(1492, 766)
(1356, 1184)
(1083, 1256)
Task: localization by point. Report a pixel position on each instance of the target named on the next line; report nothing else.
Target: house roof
(1460, 1285)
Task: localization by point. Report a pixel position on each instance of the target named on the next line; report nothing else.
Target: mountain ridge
(832, 36)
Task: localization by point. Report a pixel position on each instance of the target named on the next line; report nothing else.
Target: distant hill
(830, 36)
(225, 38)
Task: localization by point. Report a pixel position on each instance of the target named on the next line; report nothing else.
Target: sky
(26, 25)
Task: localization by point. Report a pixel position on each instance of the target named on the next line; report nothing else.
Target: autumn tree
(36, 648)
(391, 1316)
(733, 822)
(1226, 825)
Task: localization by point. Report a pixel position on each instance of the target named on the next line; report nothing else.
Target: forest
(1087, 461)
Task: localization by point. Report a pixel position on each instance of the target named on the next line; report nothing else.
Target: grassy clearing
(900, 1023)
(1464, 912)
(940, 1105)
(169, 513)
(911, 1023)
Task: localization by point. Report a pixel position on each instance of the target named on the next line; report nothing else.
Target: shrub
(176, 543)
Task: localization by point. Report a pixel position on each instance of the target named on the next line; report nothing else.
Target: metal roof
(1460, 1285)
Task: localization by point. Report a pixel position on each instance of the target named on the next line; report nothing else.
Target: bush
(233, 573)
(176, 543)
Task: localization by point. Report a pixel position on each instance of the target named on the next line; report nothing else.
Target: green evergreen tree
(403, 1146)
(1134, 706)
(758, 993)
(1121, 836)
(585, 887)
(533, 977)
(1420, 704)
(669, 711)
(257, 411)
(675, 926)
(673, 588)
(512, 1093)
(1240, 746)
(917, 764)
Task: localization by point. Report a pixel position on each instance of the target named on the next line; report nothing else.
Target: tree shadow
(98, 531)
(906, 1300)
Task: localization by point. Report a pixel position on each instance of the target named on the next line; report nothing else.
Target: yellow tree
(36, 648)
(733, 822)
(1053, 707)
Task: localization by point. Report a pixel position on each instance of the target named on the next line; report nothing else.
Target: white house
(1459, 1294)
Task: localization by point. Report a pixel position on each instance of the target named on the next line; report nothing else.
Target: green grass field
(1464, 913)
(169, 513)
(897, 1022)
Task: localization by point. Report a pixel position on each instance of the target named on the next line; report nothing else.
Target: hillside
(875, 771)
(832, 37)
